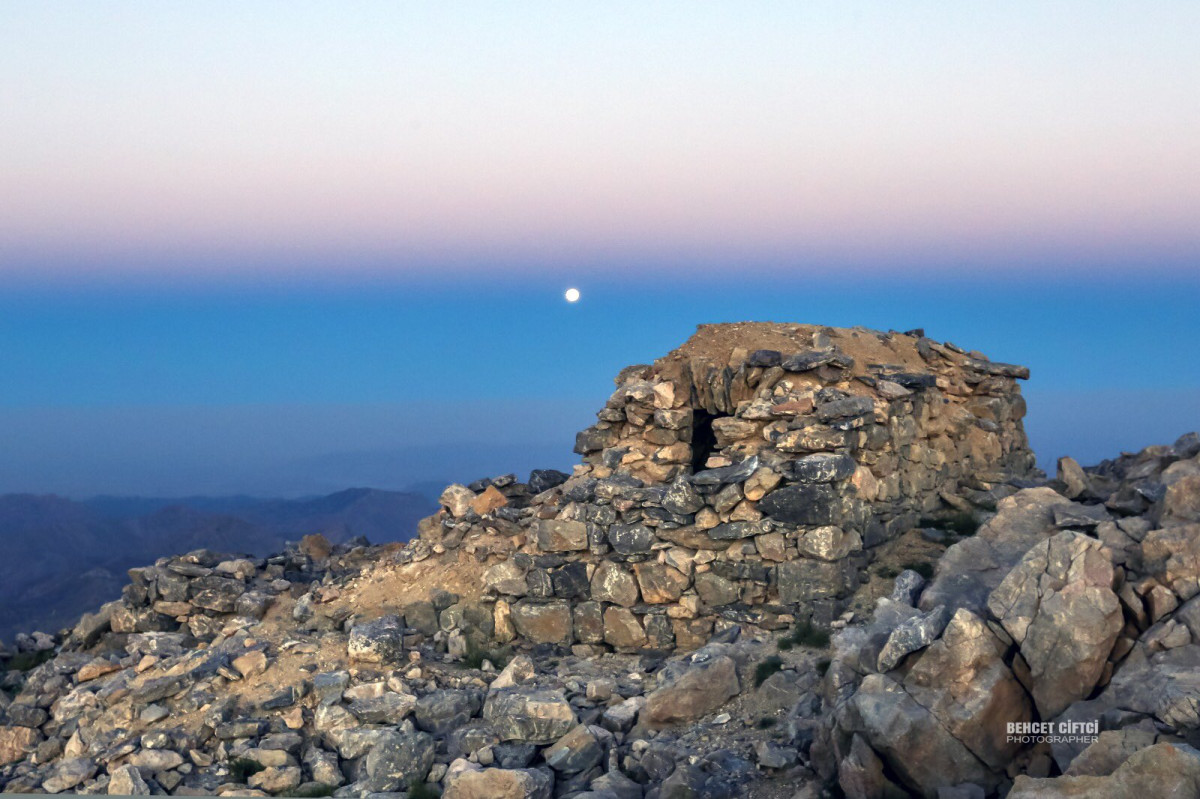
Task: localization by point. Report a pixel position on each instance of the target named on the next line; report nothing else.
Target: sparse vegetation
(766, 668)
(476, 654)
(887, 572)
(242, 768)
(823, 666)
(921, 568)
(421, 790)
(313, 789)
(766, 722)
(960, 524)
(805, 634)
(27, 661)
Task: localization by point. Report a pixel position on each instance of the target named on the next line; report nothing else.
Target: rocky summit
(794, 561)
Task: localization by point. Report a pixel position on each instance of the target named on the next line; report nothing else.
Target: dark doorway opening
(704, 440)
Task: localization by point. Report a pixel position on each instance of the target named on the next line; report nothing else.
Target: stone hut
(745, 477)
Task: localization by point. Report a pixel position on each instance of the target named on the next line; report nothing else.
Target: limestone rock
(612, 583)
(1059, 607)
(1172, 556)
(529, 715)
(912, 635)
(127, 781)
(971, 569)
(560, 535)
(659, 583)
(1161, 770)
(576, 751)
(378, 641)
(397, 759)
(15, 742)
(543, 622)
(703, 687)
(909, 738)
(499, 783)
(829, 543)
(457, 499)
(963, 680)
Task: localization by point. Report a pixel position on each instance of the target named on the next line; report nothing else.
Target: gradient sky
(288, 247)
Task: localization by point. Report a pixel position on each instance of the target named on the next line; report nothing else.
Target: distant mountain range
(62, 557)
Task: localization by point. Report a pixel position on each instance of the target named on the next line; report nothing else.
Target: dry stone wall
(744, 478)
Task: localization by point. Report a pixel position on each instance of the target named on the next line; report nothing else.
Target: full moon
(572, 295)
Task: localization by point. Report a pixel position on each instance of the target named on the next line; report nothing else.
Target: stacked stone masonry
(745, 478)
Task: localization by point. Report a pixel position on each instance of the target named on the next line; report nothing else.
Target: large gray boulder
(1059, 607)
(963, 680)
(499, 783)
(1172, 556)
(396, 759)
(910, 739)
(970, 570)
(1160, 771)
(703, 687)
(529, 714)
(378, 641)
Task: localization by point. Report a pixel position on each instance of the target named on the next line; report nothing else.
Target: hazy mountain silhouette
(62, 557)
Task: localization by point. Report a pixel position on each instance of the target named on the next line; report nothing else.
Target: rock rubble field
(794, 561)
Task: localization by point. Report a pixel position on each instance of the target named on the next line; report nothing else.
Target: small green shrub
(887, 572)
(476, 654)
(807, 634)
(421, 790)
(785, 644)
(242, 768)
(961, 524)
(766, 668)
(921, 568)
(27, 661)
(313, 789)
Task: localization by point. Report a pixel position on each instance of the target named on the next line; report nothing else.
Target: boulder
(457, 500)
(439, 712)
(703, 687)
(15, 742)
(506, 577)
(577, 751)
(963, 680)
(67, 773)
(911, 741)
(912, 635)
(378, 641)
(971, 569)
(544, 479)
(1059, 607)
(276, 779)
(530, 715)
(716, 591)
(396, 759)
(1073, 477)
(1172, 556)
(622, 630)
(1166, 770)
(127, 781)
(681, 499)
(500, 783)
(1181, 503)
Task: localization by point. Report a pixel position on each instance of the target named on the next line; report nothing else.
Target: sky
(283, 248)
